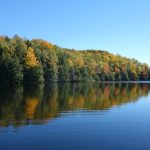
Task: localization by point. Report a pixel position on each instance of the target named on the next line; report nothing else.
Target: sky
(118, 26)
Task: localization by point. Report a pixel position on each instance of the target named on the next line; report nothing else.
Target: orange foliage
(106, 68)
(2, 38)
(124, 92)
(116, 91)
(107, 92)
(47, 45)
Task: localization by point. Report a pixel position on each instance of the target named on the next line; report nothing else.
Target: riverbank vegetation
(36, 60)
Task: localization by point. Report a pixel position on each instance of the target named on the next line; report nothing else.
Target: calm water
(75, 117)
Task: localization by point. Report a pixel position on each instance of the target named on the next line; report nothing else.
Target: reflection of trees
(36, 104)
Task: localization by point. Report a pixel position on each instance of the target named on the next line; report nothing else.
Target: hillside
(36, 60)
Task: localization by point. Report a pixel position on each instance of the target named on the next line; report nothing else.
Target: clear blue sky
(119, 26)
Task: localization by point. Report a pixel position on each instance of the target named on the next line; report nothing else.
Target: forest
(38, 61)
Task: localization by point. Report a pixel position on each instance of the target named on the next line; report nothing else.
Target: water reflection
(37, 104)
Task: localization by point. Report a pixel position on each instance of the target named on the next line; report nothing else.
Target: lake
(75, 116)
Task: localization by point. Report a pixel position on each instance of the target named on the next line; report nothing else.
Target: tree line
(23, 60)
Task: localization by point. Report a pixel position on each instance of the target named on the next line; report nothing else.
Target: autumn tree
(32, 70)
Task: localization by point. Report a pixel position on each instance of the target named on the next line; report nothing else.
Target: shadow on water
(36, 104)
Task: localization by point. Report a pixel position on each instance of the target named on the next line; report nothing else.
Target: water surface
(75, 116)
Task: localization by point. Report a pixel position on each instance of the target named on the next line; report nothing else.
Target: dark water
(75, 117)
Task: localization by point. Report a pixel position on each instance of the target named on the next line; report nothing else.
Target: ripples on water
(75, 116)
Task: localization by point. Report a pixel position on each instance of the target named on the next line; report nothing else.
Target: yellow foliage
(106, 58)
(79, 62)
(70, 100)
(70, 63)
(30, 60)
(31, 105)
(80, 101)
